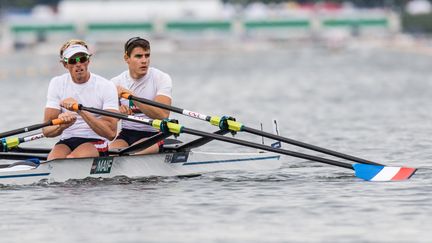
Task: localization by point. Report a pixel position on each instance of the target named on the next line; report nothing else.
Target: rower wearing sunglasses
(144, 81)
(83, 134)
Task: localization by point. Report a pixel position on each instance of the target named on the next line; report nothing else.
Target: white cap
(74, 49)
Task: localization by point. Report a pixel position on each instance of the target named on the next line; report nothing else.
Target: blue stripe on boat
(231, 160)
(24, 175)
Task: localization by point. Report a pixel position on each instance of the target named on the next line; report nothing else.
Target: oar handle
(126, 95)
(57, 121)
(76, 107)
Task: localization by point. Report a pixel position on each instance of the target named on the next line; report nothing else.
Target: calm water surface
(367, 102)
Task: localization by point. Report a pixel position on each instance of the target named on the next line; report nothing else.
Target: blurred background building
(27, 23)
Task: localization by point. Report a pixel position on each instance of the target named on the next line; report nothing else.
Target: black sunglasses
(81, 59)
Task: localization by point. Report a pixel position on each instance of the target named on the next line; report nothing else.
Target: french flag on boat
(382, 173)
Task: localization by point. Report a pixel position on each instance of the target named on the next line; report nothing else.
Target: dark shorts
(132, 136)
(74, 142)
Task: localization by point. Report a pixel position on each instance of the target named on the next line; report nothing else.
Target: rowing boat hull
(137, 166)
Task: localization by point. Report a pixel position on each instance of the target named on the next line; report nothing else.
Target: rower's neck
(136, 77)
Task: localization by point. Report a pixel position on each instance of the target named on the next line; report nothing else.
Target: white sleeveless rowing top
(154, 83)
(97, 92)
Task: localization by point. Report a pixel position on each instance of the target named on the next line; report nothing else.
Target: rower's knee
(118, 143)
(84, 150)
(59, 151)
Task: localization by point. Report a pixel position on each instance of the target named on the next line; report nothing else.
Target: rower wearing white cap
(84, 134)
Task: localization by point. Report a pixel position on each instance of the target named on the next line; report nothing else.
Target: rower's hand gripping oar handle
(57, 121)
(126, 95)
(76, 107)
(165, 126)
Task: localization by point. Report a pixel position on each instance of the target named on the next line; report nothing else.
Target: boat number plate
(101, 165)
(177, 157)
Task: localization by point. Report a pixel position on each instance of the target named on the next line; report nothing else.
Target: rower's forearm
(157, 114)
(152, 112)
(52, 131)
(101, 127)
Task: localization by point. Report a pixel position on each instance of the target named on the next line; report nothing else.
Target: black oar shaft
(32, 150)
(109, 113)
(225, 139)
(307, 146)
(259, 133)
(25, 129)
(200, 141)
(266, 148)
(156, 104)
(143, 144)
(20, 156)
(169, 108)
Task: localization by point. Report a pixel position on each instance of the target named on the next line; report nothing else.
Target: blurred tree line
(359, 3)
(412, 23)
(25, 4)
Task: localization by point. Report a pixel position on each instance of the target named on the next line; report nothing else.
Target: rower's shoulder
(60, 80)
(159, 73)
(122, 77)
(101, 81)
